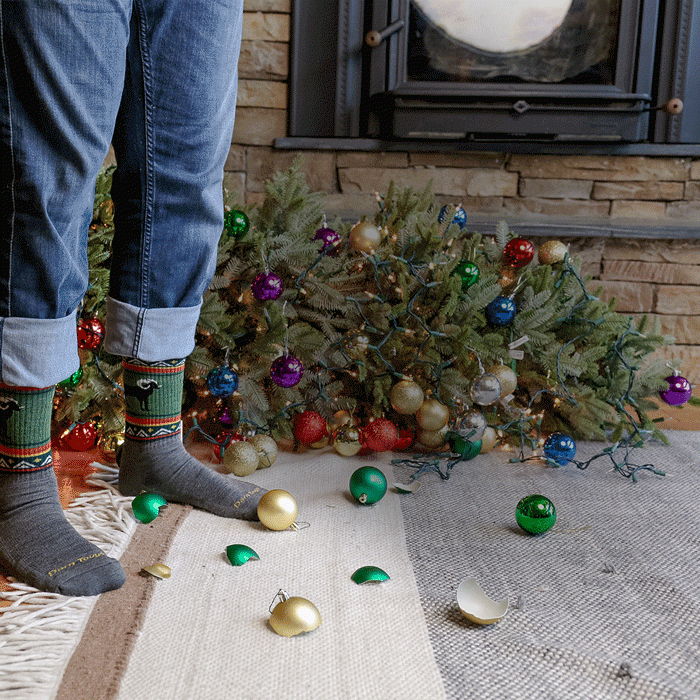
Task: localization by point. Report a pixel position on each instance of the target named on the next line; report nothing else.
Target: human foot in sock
(153, 457)
(38, 545)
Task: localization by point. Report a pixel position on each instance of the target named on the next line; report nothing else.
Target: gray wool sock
(153, 457)
(38, 545)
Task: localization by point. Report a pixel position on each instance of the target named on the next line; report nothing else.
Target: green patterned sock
(37, 544)
(153, 457)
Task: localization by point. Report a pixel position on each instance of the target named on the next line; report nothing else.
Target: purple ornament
(679, 390)
(330, 239)
(266, 286)
(286, 371)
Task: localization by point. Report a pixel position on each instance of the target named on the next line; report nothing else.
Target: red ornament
(380, 435)
(406, 438)
(224, 439)
(310, 427)
(82, 437)
(518, 252)
(91, 332)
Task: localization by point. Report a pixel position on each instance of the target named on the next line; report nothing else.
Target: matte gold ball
(552, 252)
(277, 509)
(346, 440)
(293, 616)
(241, 458)
(266, 448)
(432, 438)
(507, 377)
(365, 237)
(406, 397)
(489, 439)
(432, 415)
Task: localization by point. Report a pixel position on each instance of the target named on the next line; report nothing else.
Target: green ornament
(368, 485)
(535, 514)
(147, 506)
(73, 380)
(236, 223)
(466, 449)
(369, 574)
(468, 272)
(239, 554)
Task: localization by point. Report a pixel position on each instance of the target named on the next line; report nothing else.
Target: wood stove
(480, 71)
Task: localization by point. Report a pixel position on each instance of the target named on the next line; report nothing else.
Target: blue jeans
(157, 78)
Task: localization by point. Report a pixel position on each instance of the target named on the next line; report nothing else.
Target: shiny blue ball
(501, 311)
(222, 381)
(559, 448)
(459, 218)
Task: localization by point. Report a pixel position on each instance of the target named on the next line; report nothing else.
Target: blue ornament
(459, 218)
(559, 448)
(501, 311)
(222, 381)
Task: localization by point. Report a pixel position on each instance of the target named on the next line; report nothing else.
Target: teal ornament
(368, 485)
(369, 574)
(468, 272)
(73, 380)
(535, 514)
(236, 223)
(222, 381)
(239, 554)
(466, 449)
(147, 506)
(559, 448)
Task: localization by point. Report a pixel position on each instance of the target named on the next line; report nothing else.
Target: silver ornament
(472, 426)
(485, 389)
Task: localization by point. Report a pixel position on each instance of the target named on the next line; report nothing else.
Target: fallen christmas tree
(407, 317)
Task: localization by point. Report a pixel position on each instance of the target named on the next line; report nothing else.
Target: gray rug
(604, 605)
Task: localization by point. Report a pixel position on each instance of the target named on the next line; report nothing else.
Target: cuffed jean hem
(150, 335)
(38, 352)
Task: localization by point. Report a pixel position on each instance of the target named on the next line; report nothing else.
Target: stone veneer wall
(658, 277)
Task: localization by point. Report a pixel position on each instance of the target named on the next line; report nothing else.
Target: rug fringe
(39, 631)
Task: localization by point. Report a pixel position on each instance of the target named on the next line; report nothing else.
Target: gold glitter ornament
(406, 397)
(266, 448)
(346, 440)
(432, 415)
(552, 252)
(507, 377)
(277, 509)
(241, 458)
(365, 237)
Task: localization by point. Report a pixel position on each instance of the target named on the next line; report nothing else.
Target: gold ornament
(346, 440)
(406, 397)
(158, 570)
(266, 448)
(432, 415)
(110, 445)
(432, 438)
(365, 237)
(277, 509)
(340, 418)
(241, 458)
(294, 615)
(323, 442)
(552, 252)
(507, 377)
(488, 439)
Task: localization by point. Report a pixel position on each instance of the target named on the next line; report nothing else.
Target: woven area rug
(605, 605)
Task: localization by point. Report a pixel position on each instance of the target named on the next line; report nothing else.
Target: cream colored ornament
(406, 397)
(267, 450)
(432, 438)
(552, 252)
(241, 458)
(507, 377)
(432, 415)
(477, 606)
(277, 509)
(365, 237)
(488, 440)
